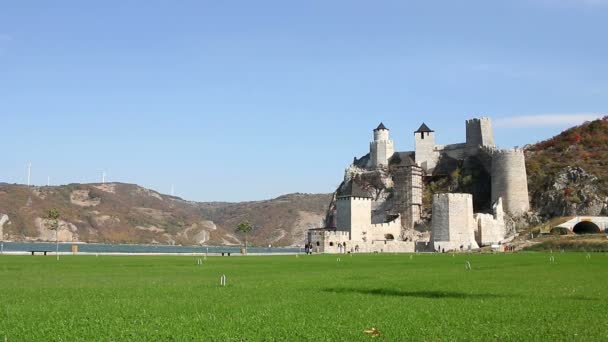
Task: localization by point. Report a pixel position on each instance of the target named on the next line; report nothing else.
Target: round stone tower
(509, 180)
(382, 148)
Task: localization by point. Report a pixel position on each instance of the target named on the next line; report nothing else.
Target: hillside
(568, 174)
(127, 213)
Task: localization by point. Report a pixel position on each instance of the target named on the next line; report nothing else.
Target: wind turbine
(29, 173)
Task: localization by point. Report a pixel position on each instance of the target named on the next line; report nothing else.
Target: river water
(107, 248)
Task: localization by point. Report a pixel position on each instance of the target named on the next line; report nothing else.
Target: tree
(244, 227)
(53, 217)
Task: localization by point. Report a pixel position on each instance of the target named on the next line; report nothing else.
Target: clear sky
(246, 100)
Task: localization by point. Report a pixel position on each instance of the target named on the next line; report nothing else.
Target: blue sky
(247, 100)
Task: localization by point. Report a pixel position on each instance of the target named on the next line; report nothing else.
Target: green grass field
(284, 298)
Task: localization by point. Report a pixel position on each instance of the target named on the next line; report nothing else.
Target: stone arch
(586, 227)
(389, 237)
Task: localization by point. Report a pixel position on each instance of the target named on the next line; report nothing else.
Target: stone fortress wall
(454, 224)
(355, 231)
(491, 228)
(455, 227)
(507, 167)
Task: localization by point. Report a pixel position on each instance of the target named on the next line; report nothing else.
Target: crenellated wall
(479, 132)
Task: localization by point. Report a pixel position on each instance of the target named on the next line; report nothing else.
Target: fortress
(380, 202)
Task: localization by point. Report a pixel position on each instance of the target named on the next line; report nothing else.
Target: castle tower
(509, 180)
(479, 132)
(453, 223)
(353, 211)
(407, 178)
(426, 156)
(382, 148)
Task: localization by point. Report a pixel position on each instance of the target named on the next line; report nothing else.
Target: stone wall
(381, 231)
(510, 181)
(324, 241)
(456, 151)
(491, 228)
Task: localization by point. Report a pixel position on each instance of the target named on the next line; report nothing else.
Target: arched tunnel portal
(586, 227)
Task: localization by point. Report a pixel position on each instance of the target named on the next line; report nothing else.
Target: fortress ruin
(380, 202)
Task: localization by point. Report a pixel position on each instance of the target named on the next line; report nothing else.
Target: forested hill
(568, 174)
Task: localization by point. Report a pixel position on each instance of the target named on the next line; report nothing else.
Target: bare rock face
(3, 219)
(66, 231)
(571, 192)
(83, 198)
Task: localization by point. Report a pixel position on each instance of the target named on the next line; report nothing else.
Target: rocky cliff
(568, 174)
(127, 213)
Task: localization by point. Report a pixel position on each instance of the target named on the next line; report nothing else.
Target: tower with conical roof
(426, 154)
(382, 148)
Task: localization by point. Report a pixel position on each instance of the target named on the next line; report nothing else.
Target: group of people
(308, 248)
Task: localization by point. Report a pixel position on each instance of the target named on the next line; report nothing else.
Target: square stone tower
(453, 223)
(354, 210)
(407, 180)
(426, 155)
(479, 132)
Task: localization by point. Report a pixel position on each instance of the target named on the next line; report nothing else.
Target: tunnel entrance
(586, 227)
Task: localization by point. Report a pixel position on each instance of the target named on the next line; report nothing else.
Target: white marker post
(223, 280)
(467, 266)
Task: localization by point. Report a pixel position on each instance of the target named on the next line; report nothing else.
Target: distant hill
(568, 174)
(127, 213)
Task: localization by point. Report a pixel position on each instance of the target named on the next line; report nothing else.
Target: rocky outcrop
(3, 220)
(571, 192)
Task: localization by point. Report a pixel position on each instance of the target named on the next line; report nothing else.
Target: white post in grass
(467, 266)
(223, 280)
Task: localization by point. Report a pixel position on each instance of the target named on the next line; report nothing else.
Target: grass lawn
(284, 298)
